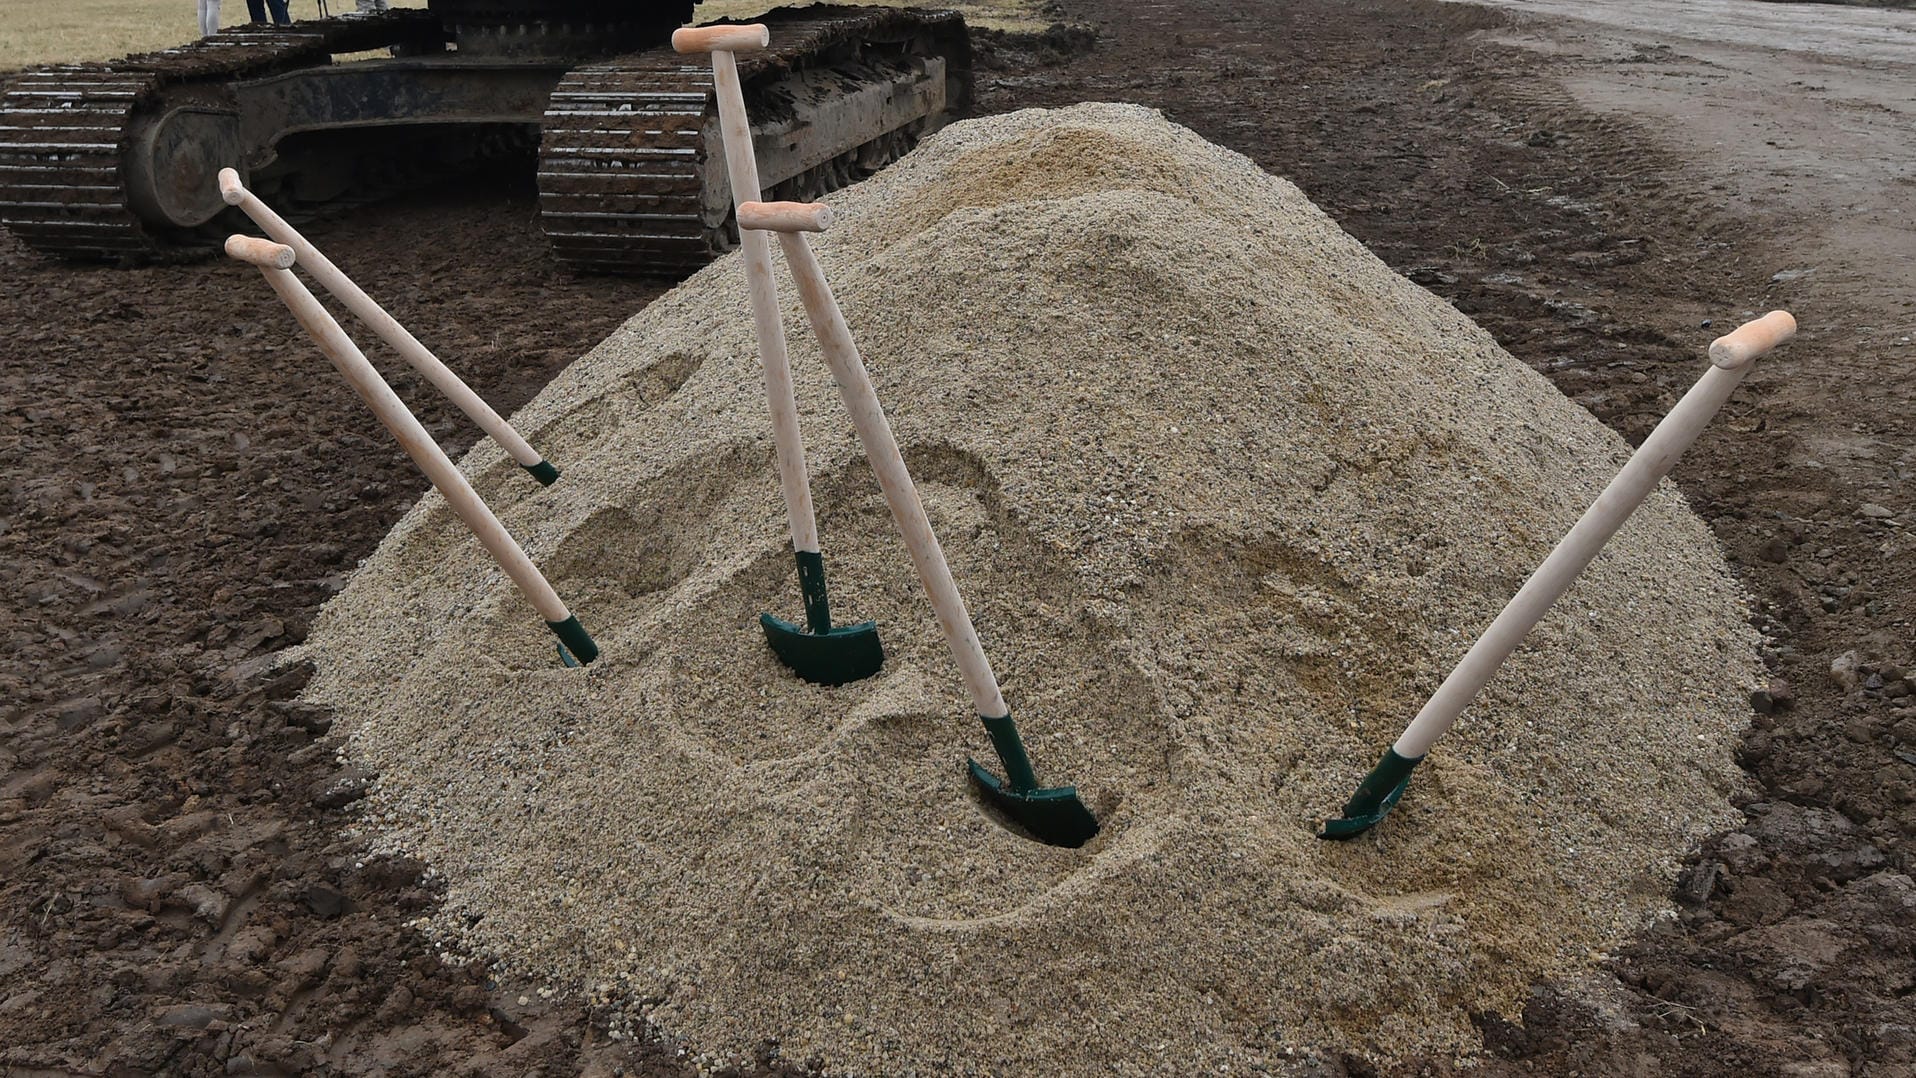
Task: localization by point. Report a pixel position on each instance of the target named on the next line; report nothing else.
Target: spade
(818, 653)
(1053, 814)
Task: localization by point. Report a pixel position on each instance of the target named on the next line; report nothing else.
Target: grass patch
(71, 30)
(42, 32)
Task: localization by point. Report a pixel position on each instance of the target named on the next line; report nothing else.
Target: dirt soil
(175, 892)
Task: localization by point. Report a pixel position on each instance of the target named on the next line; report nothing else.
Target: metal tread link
(60, 186)
(619, 168)
(622, 151)
(63, 129)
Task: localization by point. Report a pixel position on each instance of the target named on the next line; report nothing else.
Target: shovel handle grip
(1751, 340)
(785, 216)
(748, 38)
(262, 253)
(232, 191)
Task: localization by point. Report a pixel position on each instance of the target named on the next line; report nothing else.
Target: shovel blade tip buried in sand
(576, 646)
(1376, 795)
(1055, 815)
(840, 655)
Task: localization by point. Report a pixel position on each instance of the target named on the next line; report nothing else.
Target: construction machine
(119, 161)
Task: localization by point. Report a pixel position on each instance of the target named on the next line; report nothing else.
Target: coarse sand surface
(1226, 497)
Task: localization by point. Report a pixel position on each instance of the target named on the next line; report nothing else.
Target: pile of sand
(1227, 498)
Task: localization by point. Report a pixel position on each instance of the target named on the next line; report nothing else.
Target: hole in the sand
(1323, 640)
(638, 391)
(506, 482)
(651, 385)
(944, 463)
(1102, 807)
(632, 553)
(626, 553)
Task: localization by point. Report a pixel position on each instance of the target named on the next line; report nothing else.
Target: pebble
(1844, 670)
(186, 1016)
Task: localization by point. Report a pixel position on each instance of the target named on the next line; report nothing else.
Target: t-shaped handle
(785, 216)
(1751, 340)
(262, 253)
(721, 38)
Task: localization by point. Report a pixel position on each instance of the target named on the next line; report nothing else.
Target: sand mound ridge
(1226, 497)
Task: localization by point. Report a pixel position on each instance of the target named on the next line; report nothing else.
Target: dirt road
(180, 889)
(1798, 116)
(1804, 111)
(1859, 36)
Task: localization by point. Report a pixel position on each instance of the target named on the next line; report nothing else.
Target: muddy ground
(184, 484)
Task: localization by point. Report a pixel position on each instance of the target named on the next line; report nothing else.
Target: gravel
(1226, 497)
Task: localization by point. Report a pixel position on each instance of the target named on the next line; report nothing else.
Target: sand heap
(1227, 498)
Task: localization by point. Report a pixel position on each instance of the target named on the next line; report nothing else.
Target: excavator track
(630, 176)
(631, 172)
(64, 130)
(621, 154)
(61, 131)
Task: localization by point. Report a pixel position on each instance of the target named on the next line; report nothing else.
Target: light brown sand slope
(1226, 496)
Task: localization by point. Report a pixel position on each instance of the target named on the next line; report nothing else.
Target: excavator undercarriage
(118, 161)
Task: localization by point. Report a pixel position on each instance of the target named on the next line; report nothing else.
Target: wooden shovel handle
(1747, 342)
(785, 216)
(894, 480)
(231, 189)
(741, 166)
(262, 253)
(721, 38)
(321, 269)
(1633, 482)
(412, 437)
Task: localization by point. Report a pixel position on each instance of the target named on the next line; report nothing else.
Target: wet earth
(185, 483)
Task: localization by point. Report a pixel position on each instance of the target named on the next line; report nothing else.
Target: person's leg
(256, 11)
(209, 17)
(281, 16)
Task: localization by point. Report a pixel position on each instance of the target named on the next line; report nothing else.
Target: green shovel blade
(1376, 795)
(576, 647)
(843, 654)
(823, 654)
(1054, 815)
